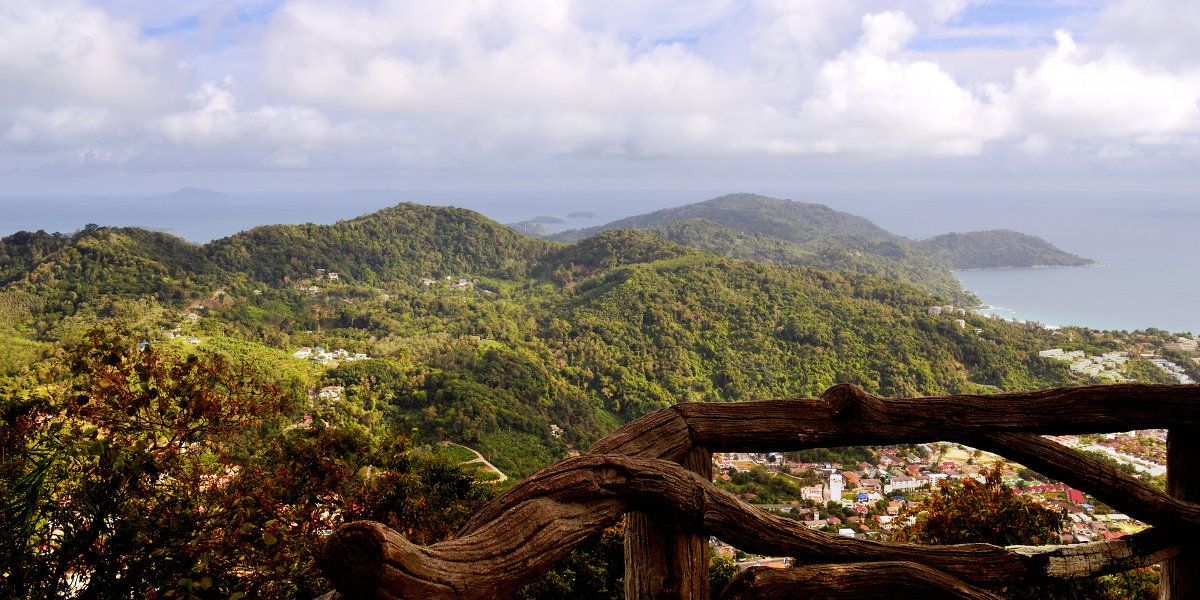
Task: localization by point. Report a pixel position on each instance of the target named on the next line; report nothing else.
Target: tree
(990, 512)
(310, 480)
(721, 569)
(153, 475)
(986, 511)
(115, 468)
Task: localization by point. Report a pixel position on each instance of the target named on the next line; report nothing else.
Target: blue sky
(134, 96)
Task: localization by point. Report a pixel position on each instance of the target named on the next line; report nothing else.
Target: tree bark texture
(1181, 574)
(860, 581)
(662, 563)
(544, 516)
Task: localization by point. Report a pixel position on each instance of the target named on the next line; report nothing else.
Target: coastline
(1094, 263)
(1118, 298)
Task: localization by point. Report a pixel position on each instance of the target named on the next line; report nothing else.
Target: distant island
(191, 194)
(582, 215)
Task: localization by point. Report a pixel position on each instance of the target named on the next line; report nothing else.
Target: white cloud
(1161, 32)
(42, 129)
(513, 77)
(1103, 94)
(378, 84)
(507, 72)
(215, 122)
(869, 101)
(63, 51)
(466, 63)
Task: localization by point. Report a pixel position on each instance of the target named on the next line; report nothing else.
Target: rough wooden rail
(636, 469)
(858, 581)
(536, 522)
(845, 415)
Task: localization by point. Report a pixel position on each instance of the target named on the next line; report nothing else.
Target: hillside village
(872, 499)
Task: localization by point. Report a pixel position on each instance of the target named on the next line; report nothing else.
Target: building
(851, 478)
(835, 487)
(814, 493)
(904, 482)
(332, 393)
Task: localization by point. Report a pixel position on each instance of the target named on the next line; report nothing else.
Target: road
(480, 459)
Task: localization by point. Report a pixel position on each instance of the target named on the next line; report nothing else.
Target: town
(873, 499)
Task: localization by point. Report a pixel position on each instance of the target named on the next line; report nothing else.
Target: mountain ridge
(775, 231)
(583, 336)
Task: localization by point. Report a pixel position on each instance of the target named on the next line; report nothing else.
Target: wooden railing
(657, 472)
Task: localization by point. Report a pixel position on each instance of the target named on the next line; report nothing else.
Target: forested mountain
(400, 243)
(775, 231)
(892, 258)
(582, 336)
(47, 280)
(799, 222)
(998, 248)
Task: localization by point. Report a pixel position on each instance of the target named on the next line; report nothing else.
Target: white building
(903, 482)
(813, 493)
(835, 487)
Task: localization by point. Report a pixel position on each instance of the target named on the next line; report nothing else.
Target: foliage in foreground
(146, 474)
(989, 512)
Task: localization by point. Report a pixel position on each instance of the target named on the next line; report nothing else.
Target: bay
(1146, 244)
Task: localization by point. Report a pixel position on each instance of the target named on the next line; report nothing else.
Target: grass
(459, 453)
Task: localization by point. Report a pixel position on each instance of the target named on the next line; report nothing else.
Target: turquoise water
(1148, 247)
(1072, 296)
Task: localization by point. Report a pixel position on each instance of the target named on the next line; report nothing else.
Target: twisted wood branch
(845, 415)
(527, 529)
(857, 581)
(1108, 484)
(522, 533)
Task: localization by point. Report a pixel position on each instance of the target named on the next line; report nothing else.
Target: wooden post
(1181, 575)
(662, 563)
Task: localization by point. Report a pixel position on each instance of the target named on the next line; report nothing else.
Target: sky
(145, 96)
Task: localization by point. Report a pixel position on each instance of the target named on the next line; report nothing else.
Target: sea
(1146, 245)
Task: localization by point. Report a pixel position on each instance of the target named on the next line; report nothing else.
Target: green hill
(998, 248)
(753, 214)
(45, 278)
(774, 231)
(783, 232)
(892, 258)
(400, 243)
(583, 336)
